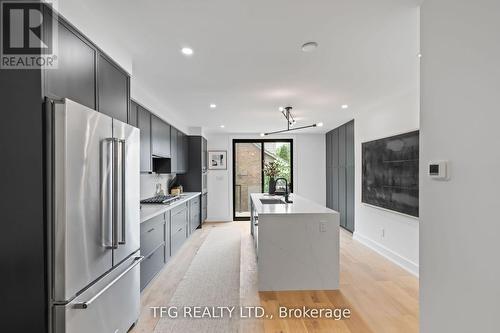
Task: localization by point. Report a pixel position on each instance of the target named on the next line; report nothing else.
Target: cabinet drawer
(151, 265)
(195, 201)
(179, 208)
(178, 238)
(152, 234)
(179, 220)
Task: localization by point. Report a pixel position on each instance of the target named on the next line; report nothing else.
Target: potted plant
(271, 170)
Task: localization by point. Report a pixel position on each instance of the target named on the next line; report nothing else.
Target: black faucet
(286, 188)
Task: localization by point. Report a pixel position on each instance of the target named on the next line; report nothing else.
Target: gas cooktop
(160, 199)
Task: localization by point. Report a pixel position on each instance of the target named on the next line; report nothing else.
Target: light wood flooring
(382, 297)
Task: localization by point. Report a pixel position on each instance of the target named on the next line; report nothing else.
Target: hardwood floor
(381, 296)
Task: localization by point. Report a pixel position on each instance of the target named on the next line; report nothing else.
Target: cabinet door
(204, 199)
(160, 137)
(204, 157)
(168, 252)
(113, 92)
(75, 76)
(174, 152)
(178, 228)
(328, 145)
(342, 176)
(144, 124)
(132, 115)
(185, 152)
(182, 152)
(194, 214)
(349, 140)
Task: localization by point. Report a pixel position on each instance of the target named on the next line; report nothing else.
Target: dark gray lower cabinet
(178, 227)
(204, 204)
(194, 214)
(340, 173)
(163, 235)
(151, 265)
(152, 247)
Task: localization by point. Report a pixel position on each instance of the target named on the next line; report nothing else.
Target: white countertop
(149, 211)
(300, 205)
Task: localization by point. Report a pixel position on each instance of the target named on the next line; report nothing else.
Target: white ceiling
(247, 57)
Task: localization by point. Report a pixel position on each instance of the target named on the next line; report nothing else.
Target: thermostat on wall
(438, 170)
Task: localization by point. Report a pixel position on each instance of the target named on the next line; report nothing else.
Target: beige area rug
(212, 280)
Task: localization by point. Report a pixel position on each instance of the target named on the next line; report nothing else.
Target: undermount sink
(272, 201)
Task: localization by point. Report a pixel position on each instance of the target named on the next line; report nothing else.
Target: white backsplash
(149, 181)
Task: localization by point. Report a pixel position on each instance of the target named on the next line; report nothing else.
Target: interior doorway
(249, 158)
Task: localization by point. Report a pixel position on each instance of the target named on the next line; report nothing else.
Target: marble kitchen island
(297, 244)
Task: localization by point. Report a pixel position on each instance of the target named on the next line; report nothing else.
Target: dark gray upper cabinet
(113, 90)
(132, 114)
(183, 147)
(75, 76)
(160, 137)
(144, 124)
(174, 150)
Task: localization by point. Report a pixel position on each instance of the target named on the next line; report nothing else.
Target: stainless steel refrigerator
(93, 220)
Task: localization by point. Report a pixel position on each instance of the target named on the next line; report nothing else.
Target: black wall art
(390, 173)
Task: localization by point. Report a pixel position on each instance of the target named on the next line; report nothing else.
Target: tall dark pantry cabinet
(340, 173)
(195, 179)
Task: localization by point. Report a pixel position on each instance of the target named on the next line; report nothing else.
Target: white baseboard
(389, 254)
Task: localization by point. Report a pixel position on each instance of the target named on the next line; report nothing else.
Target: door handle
(85, 305)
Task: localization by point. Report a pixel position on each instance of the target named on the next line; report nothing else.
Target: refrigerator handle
(84, 305)
(123, 165)
(107, 188)
(116, 211)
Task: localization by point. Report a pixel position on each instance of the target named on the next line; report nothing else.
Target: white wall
(392, 234)
(309, 171)
(460, 227)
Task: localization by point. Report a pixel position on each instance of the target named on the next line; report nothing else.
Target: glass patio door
(250, 158)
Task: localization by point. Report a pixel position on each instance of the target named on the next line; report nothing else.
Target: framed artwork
(390, 173)
(217, 160)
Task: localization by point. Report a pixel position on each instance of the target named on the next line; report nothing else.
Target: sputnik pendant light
(290, 122)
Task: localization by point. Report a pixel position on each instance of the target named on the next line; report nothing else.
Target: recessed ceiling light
(262, 134)
(344, 106)
(419, 55)
(319, 124)
(213, 106)
(187, 51)
(309, 47)
(281, 108)
(222, 126)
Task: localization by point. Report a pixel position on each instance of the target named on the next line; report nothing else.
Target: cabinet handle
(151, 229)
